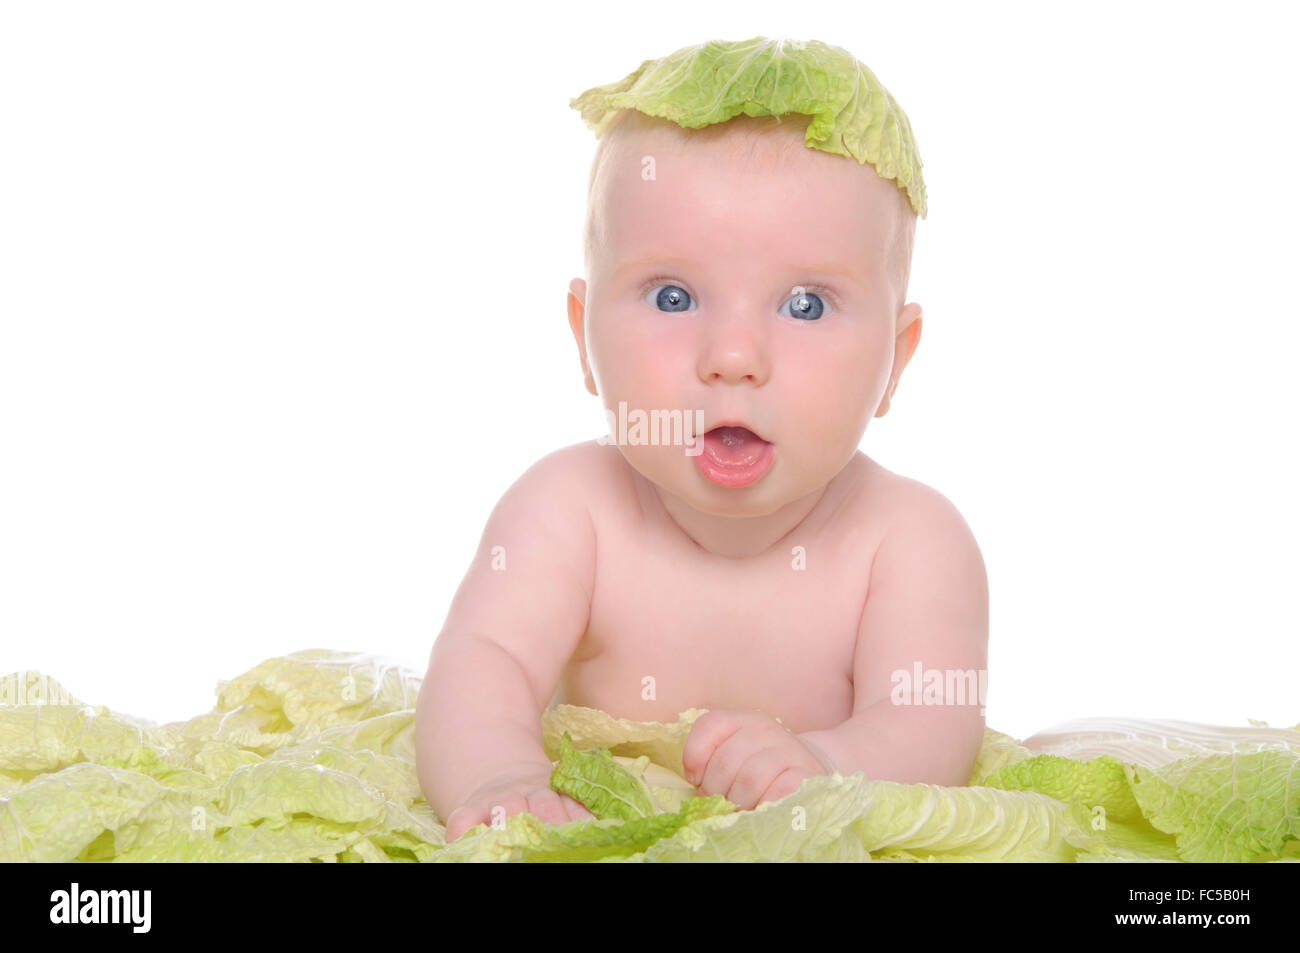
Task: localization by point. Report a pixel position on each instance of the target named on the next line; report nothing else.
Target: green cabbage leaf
(311, 758)
(852, 114)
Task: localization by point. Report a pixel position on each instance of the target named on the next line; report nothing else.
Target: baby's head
(737, 269)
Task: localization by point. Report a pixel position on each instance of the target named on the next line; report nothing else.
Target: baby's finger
(785, 784)
(727, 760)
(708, 732)
(575, 809)
(506, 806)
(462, 819)
(492, 813)
(546, 807)
(756, 776)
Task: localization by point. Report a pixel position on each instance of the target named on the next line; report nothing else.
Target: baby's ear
(577, 301)
(909, 333)
(905, 344)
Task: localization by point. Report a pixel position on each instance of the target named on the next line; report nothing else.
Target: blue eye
(806, 306)
(670, 298)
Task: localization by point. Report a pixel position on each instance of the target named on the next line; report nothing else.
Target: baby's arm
(928, 603)
(516, 619)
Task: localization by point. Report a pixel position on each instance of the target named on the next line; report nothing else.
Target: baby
(751, 212)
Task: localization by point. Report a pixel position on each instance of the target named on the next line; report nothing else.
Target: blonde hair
(759, 141)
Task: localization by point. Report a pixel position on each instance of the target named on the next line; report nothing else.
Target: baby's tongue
(733, 446)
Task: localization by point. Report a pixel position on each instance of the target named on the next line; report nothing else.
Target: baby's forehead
(734, 162)
(742, 145)
(758, 142)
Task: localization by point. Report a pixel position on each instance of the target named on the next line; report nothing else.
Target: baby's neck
(745, 537)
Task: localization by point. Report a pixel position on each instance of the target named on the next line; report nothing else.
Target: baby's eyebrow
(835, 269)
(645, 260)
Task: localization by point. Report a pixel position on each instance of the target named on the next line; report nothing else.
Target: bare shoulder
(570, 491)
(924, 542)
(909, 506)
(928, 587)
(571, 475)
(549, 509)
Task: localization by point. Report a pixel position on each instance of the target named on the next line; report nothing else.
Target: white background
(282, 314)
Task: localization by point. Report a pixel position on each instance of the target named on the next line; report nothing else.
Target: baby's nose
(732, 365)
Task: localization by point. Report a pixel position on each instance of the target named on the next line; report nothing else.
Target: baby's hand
(748, 757)
(525, 788)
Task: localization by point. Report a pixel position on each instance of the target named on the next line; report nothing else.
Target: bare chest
(672, 629)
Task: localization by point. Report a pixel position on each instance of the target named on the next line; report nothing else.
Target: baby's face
(753, 289)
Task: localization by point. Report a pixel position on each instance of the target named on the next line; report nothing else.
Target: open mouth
(734, 456)
(735, 446)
